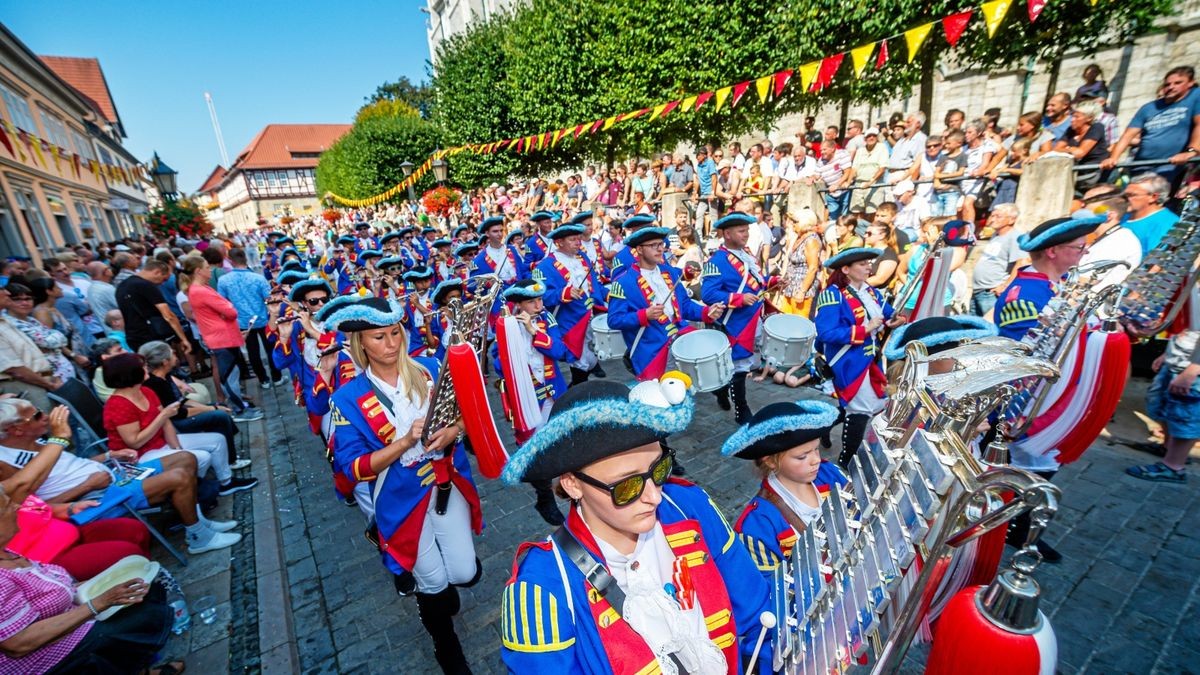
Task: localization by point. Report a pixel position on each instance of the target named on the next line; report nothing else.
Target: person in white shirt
(1113, 240)
(913, 208)
(854, 137)
(591, 188)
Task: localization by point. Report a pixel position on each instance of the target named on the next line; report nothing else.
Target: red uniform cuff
(362, 468)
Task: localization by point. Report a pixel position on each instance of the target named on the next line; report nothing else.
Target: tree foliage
(385, 108)
(367, 160)
(419, 96)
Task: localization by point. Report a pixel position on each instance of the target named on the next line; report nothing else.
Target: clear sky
(263, 61)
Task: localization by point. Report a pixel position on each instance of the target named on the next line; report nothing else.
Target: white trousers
(446, 551)
(209, 448)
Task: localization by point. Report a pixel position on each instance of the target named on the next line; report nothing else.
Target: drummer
(784, 441)
(732, 276)
(650, 307)
(626, 258)
(850, 316)
(573, 291)
(643, 577)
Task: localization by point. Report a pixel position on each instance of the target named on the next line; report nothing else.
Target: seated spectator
(136, 420)
(1148, 216)
(114, 325)
(73, 479)
(23, 368)
(101, 351)
(1084, 141)
(193, 418)
(1002, 258)
(1113, 241)
(54, 345)
(885, 267)
(912, 209)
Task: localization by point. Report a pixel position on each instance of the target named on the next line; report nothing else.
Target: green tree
(366, 161)
(385, 108)
(420, 96)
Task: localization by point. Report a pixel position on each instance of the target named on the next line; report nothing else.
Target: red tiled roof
(85, 75)
(214, 179)
(276, 146)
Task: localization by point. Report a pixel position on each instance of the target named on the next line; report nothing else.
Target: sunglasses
(629, 489)
(313, 302)
(35, 417)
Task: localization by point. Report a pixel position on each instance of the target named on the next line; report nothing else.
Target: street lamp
(164, 178)
(441, 170)
(407, 167)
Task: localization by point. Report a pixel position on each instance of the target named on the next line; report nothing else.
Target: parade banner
(44, 154)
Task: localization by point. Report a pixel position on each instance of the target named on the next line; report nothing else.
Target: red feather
(1110, 384)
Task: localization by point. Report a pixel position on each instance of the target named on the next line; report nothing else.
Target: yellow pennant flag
(808, 72)
(609, 122)
(658, 110)
(763, 86)
(914, 37)
(722, 94)
(993, 14)
(688, 104)
(37, 150)
(860, 56)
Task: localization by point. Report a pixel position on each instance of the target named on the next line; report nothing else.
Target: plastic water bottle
(183, 618)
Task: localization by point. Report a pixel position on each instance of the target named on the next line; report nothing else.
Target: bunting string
(26, 147)
(813, 76)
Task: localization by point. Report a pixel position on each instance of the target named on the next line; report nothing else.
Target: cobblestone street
(1124, 599)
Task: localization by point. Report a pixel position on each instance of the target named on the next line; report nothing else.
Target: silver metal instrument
(1157, 290)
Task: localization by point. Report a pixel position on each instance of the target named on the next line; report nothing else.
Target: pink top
(215, 317)
(28, 595)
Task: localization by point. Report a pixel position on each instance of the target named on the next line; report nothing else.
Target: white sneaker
(221, 525)
(214, 541)
(240, 464)
(265, 385)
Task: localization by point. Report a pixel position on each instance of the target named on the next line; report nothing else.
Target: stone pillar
(1046, 189)
(671, 203)
(805, 195)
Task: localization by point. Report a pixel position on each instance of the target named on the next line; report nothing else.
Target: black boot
(437, 615)
(578, 376)
(598, 371)
(546, 506)
(853, 430)
(722, 395)
(737, 394)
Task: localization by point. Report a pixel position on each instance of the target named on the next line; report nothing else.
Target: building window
(271, 179)
(11, 243)
(34, 220)
(18, 109)
(305, 155)
(62, 218)
(56, 131)
(260, 181)
(83, 146)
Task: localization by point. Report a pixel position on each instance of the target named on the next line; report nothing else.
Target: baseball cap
(903, 186)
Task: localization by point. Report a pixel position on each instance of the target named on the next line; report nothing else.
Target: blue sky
(263, 61)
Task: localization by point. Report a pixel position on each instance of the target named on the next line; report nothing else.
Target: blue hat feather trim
(812, 415)
(973, 328)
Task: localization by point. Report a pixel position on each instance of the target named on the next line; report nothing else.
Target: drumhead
(600, 324)
(699, 345)
(789, 327)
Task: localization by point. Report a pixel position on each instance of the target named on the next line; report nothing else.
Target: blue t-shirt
(1166, 128)
(1058, 130)
(1151, 229)
(704, 174)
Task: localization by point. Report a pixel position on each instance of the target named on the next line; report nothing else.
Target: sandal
(172, 667)
(1157, 472)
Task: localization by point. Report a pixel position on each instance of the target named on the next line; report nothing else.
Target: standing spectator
(1093, 85)
(980, 151)
(125, 264)
(801, 264)
(854, 137)
(147, 315)
(641, 182)
(810, 135)
(1148, 216)
(911, 209)
(618, 187)
(834, 170)
(217, 321)
(681, 177)
(1029, 127)
(1085, 142)
(955, 119)
(101, 294)
(906, 151)
(785, 171)
(867, 169)
(997, 266)
(951, 164)
(215, 255)
(1113, 240)
(72, 304)
(803, 167)
(1058, 115)
(591, 186)
(1008, 174)
(706, 179)
(1166, 128)
(575, 192)
(248, 292)
(1173, 400)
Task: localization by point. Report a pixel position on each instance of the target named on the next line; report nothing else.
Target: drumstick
(767, 619)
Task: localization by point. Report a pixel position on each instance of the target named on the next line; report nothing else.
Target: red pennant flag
(633, 115)
(596, 126)
(1035, 9)
(738, 91)
(545, 140)
(781, 80)
(955, 24)
(702, 99)
(882, 59)
(7, 143)
(75, 164)
(829, 68)
(670, 106)
(579, 130)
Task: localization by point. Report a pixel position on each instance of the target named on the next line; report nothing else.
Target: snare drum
(705, 355)
(787, 340)
(608, 342)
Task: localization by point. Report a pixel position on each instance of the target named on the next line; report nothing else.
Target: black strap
(595, 573)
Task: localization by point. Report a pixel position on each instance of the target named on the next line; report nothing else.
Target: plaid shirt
(28, 595)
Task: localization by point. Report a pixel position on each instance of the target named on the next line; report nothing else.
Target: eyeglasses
(1081, 248)
(313, 302)
(629, 489)
(37, 416)
(654, 245)
(933, 145)
(1129, 195)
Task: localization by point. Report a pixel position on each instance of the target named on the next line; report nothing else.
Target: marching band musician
(390, 243)
(424, 243)
(626, 258)
(390, 285)
(441, 260)
(850, 316)
(367, 273)
(732, 276)
(364, 241)
(650, 307)
(496, 257)
(645, 575)
(408, 239)
(426, 505)
(464, 253)
(529, 346)
(462, 234)
(270, 258)
(443, 293)
(539, 245)
(418, 312)
(572, 291)
(341, 264)
(516, 239)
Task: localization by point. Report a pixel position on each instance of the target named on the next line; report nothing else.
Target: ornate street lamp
(164, 178)
(441, 170)
(407, 167)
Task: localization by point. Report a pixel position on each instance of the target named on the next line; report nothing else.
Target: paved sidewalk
(1123, 601)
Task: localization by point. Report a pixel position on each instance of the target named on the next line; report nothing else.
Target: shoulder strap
(595, 573)
(788, 514)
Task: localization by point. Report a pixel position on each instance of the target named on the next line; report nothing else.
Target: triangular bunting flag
(955, 24)
(882, 59)
(75, 164)
(579, 130)
(781, 80)
(808, 73)
(632, 115)
(739, 90)
(860, 56)
(1035, 9)
(829, 68)
(993, 14)
(558, 137)
(609, 122)
(658, 110)
(703, 98)
(763, 86)
(688, 104)
(670, 107)
(7, 143)
(544, 140)
(596, 126)
(914, 37)
(722, 94)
